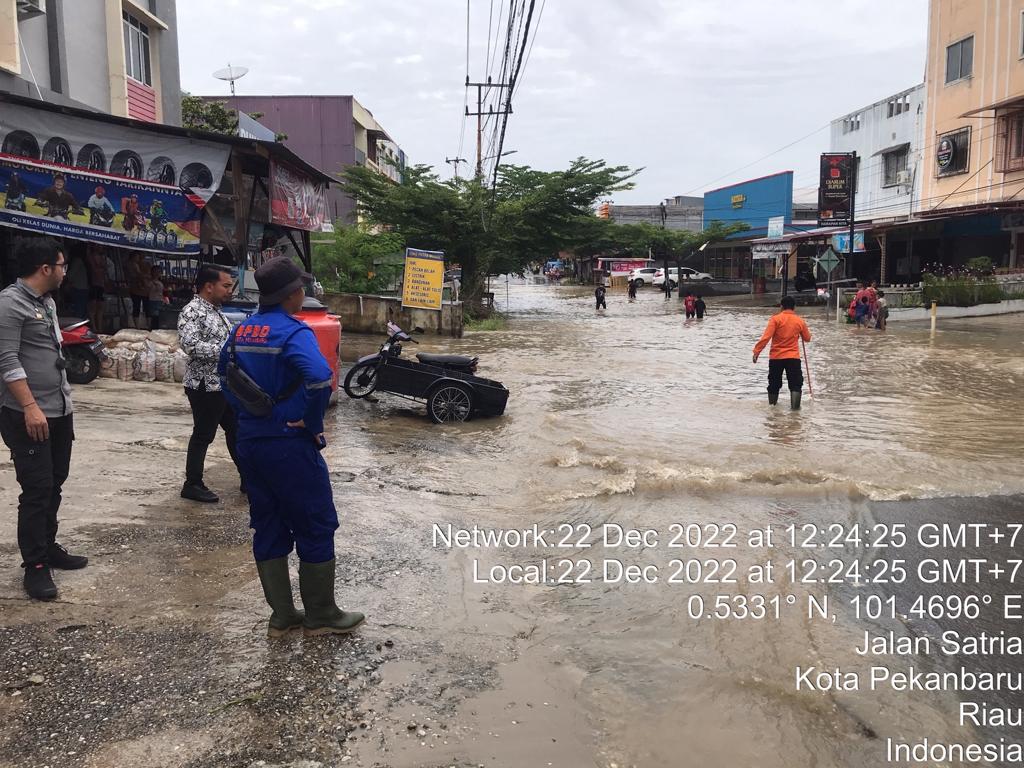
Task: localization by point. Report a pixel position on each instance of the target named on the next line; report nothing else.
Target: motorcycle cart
(448, 383)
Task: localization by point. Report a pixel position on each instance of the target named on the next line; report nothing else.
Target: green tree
(347, 263)
(528, 216)
(203, 115)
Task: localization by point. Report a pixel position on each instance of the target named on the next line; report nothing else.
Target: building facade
(888, 139)
(329, 132)
(114, 56)
(973, 158)
(680, 213)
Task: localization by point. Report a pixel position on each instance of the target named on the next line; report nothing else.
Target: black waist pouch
(251, 395)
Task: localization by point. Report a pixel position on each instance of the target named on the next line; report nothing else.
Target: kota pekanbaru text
(909, 679)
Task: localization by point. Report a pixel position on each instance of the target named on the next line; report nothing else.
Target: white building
(888, 138)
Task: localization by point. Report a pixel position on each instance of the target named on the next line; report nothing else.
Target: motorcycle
(448, 383)
(83, 351)
(101, 217)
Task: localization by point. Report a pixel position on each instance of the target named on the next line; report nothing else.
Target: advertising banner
(295, 201)
(841, 243)
(86, 179)
(619, 267)
(97, 207)
(776, 226)
(424, 279)
(836, 189)
(769, 250)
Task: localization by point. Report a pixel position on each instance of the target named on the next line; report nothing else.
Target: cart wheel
(450, 402)
(361, 379)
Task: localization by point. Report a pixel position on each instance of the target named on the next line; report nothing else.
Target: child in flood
(690, 305)
(700, 307)
(883, 311)
(863, 312)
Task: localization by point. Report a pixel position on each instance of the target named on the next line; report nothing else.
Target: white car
(645, 275)
(688, 275)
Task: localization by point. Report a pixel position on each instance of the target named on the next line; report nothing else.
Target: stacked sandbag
(138, 355)
(144, 364)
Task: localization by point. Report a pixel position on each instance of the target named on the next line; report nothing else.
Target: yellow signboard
(424, 279)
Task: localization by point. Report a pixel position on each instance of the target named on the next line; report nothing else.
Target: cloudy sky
(690, 90)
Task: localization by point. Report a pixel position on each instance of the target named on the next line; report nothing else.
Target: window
(136, 49)
(960, 60)
(894, 162)
(953, 152)
(1010, 143)
(851, 123)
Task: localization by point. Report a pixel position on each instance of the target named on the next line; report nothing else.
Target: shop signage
(841, 243)
(424, 279)
(87, 179)
(768, 250)
(835, 189)
(99, 208)
(295, 201)
(738, 200)
(945, 153)
(622, 267)
(776, 226)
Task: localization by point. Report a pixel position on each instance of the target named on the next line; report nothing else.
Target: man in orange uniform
(784, 331)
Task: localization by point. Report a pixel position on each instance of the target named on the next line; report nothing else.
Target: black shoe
(199, 492)
(58, 557)
(38, 582)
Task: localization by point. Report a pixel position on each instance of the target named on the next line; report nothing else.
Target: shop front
(139, 207)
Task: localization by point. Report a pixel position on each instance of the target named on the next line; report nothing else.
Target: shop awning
(1017, 100)
(893, 148)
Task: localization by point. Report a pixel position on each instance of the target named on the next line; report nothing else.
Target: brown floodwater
(637, 417)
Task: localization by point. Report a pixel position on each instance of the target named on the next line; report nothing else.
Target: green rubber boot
(323, 616)
(773, 398)
(794, 399)
(277, 588)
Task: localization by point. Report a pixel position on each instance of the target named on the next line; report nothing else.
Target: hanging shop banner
(769, 250)
(296, 201)
(89, 179)
(96, 207)
(835, 189)
(841, 243)
(424, 279)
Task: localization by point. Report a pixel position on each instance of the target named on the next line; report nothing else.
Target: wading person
(599, 294)
(36, 412)
(700, 307)
(280, 435)
(632, 290)
(202, 331)
(690, 305)
(784, 331)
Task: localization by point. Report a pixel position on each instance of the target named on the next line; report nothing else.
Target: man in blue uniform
(290, 499)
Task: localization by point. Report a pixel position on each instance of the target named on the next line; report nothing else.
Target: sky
(695, 92)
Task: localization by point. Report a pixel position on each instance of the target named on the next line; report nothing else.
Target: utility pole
(480, 117)
(454, 161)
(664, 253)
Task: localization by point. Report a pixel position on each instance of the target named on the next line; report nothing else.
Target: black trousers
(794, 374)
(209, 411)
(41, 469)
(601, 304)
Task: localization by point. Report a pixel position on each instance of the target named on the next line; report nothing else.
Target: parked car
(645, 275)
(688, 275)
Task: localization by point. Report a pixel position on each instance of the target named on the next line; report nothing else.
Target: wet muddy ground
(156, 655)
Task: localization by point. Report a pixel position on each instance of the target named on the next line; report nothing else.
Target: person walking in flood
(599, 294)
(279, 383)
(632, 290)
(784, 331)
(690, 305)
(700, 307)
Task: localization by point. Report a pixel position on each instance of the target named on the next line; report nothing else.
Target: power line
(508, 106)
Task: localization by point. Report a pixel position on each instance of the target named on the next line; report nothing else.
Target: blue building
(753, 203)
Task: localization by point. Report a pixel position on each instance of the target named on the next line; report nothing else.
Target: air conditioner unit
(29, 8)
(903, 178)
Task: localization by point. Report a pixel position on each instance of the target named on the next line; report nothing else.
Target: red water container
(327, 328)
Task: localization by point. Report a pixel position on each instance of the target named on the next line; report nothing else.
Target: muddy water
(636, 417)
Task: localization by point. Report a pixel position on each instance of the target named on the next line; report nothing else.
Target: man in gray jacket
(36, 420)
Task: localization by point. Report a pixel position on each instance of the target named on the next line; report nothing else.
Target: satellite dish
(231, 74)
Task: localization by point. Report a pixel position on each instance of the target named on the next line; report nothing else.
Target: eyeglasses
(60, 265)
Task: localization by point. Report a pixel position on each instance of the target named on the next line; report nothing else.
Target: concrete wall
(869, 131)
(371, 314)
(85, 27)
(169, 69)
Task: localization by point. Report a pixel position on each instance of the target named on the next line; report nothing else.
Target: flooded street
(156, 654)
(637, 417)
